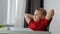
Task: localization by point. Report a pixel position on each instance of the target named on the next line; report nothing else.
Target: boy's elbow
(50, 14)
(25, 15)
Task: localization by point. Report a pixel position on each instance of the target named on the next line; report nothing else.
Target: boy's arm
(50, 14)
(28, 17)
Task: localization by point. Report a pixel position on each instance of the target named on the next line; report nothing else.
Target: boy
(39, 21)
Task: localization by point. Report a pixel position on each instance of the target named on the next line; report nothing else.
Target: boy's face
(37, 15)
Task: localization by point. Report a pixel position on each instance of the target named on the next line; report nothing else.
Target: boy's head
(39, 14)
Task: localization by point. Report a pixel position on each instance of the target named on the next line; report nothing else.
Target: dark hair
(43, 11)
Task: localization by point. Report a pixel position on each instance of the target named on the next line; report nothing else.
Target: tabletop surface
(23, 31)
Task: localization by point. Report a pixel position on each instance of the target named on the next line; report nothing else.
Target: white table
(22, 31)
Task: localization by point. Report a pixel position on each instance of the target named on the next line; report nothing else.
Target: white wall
(20, 13)
(3, 11)
(55, 24)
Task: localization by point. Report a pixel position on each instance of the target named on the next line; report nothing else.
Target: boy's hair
(43, 11)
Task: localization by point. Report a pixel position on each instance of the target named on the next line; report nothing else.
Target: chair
(47, 28)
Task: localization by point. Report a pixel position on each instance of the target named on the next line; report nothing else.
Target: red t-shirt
(39, 26)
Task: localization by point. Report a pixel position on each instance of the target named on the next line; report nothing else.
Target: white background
(55, 24)
(19, 15)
